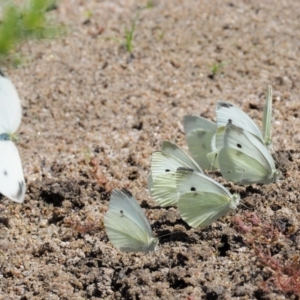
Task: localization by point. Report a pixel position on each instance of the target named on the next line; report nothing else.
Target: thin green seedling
(129, 34)
(217, 68)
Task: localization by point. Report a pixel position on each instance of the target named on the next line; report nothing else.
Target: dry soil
(93, 114)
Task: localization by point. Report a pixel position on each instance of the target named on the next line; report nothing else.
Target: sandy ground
(92, 116)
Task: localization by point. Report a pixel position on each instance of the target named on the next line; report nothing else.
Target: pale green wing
(240, 168)
(219, 138)
(164, 190)
(267, 118)
(245, 159)
(199, 209)
(188, 180)
(241, 140)
(192, 122)
(150, 181)
(227, 111)
(169, 159)
(162, 163)
(217, 144)
(202, 200)
(179, 154)
(199, 133)
(213, 159)
(126, 225)
(161, 181)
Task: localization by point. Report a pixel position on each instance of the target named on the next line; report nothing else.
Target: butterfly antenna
(244, 205)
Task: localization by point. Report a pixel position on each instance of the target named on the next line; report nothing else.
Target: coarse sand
(94, 113)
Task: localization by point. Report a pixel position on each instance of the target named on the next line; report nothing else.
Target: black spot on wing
(167, 170)
(20, 190)
(225, 104)
(193, 189)
(239, 146)
(183, 169)
(126, 192)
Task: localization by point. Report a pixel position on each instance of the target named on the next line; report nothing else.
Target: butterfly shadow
(166, 236)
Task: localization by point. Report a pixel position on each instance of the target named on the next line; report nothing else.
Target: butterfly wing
(199, 209)
(267, 118)
(161, 181)
(192, 122)
(199, 133)
(227, 111)
(202, 200)
(244, 158)
(12, 183)
(169, 159)
(10, 106)
(180, 155)
(126, 225)
(217, 144)
(188, 180)
(164, 190)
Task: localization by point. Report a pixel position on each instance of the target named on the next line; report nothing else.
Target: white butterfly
(12, 183)
(200, 132)
(164, 163)
(226, 111)
(244, 159)
(126, 225)
(202, 200)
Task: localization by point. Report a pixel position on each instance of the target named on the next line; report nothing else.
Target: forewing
(175, 151)
(227, 111)
(191, 123)
(10, 106)
(126, 225)
(245, 142)
(187, 180)
(163, 162)
(12, 183)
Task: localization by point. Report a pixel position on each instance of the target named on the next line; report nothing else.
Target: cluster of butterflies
(234, 145)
